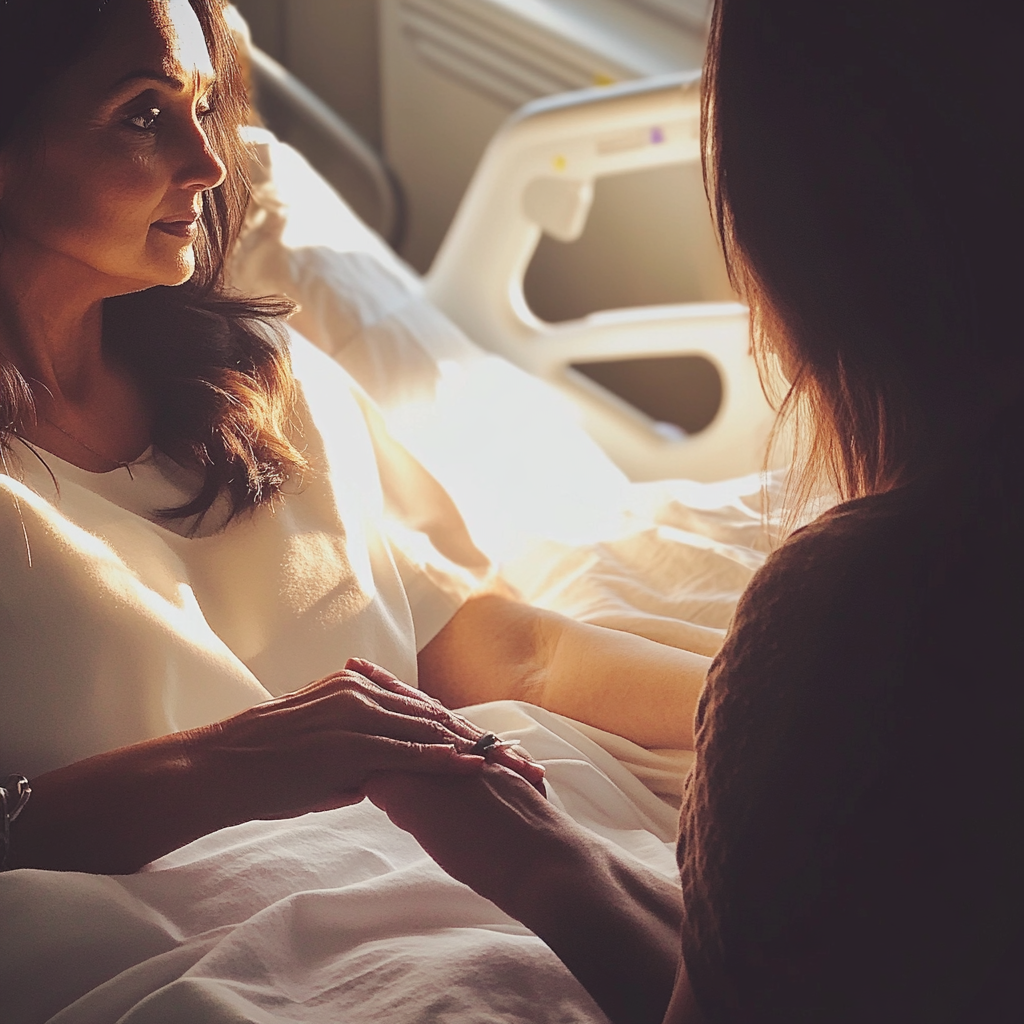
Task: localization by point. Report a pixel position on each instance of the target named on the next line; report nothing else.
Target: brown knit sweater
(851, 835)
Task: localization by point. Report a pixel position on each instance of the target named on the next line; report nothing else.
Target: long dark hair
(863, 165)
(215, 366)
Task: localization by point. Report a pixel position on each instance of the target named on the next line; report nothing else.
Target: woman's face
(108, 185)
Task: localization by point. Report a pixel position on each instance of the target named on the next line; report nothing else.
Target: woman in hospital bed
(199, 514)
(194, 504)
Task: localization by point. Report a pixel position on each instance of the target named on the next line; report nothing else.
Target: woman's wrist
(218, 780)
(557, 868)
(114, 812)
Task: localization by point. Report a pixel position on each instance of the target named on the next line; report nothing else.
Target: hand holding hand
(614, 924)
(315, 749)
(511, 756)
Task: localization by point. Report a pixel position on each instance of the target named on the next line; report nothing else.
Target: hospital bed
(506, 426)
(484, 393)
(538, 175)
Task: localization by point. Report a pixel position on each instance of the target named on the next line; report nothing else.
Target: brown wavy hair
(215, 366)
(863, 166)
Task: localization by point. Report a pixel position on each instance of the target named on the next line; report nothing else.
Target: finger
(333, 683)
(361, 674)
(510, 754)
(382, 677)
(351, 690)
(502, 769)
(383, 754)
(417, 701)
(408, 800)
(384, 787)
(521, 764)
(393, 716)
(415, 704)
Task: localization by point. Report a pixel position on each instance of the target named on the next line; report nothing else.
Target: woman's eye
(206, 112)
(144, 121)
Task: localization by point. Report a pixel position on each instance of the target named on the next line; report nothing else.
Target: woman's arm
(310, 750)
(614, 924)
(495, 648)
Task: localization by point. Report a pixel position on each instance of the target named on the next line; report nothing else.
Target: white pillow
(508, 447)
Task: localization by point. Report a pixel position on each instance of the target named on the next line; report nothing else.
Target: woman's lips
(178, 228)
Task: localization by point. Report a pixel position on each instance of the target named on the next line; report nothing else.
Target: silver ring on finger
(489, 744)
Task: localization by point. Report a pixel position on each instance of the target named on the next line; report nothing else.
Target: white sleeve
(437, 559)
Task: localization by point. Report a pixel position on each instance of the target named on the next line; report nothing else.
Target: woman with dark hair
(193, 499)
(850, 837)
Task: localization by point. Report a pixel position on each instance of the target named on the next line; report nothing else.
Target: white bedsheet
(331, 917)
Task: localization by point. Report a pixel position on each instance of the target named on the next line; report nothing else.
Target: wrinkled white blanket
(331, 917)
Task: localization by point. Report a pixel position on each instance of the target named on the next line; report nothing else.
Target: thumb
(381, 788)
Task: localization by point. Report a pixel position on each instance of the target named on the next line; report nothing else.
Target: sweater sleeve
(811, 819)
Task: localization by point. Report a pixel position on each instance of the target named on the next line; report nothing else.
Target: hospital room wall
(663, 253)
(331, 45)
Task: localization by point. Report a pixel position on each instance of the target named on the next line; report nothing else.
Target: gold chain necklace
(116, 463)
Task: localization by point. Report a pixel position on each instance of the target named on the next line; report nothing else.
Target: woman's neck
(51, 317)
(88, 409)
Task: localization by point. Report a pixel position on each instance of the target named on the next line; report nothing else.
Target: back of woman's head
(216, 371)
(863, 166)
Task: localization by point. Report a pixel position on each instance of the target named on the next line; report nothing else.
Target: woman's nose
(204, 168)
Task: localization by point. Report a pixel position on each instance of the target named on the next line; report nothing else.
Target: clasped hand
(315, 749)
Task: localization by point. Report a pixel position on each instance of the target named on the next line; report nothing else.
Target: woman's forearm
(112, 813)
(310, 750)
(613, 925)
(623, 683)
(612, 922)
(495, 648)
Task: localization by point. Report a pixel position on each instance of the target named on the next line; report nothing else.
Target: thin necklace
(116, 463)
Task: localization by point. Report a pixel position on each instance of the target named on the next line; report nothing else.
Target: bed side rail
(538, 175)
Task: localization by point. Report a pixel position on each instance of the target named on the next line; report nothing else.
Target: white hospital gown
(117, 629)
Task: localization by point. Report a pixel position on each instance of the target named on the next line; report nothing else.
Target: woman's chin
(185, 274)
(182, 268)
(173, 264)
(172, 276)
(166, 277)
